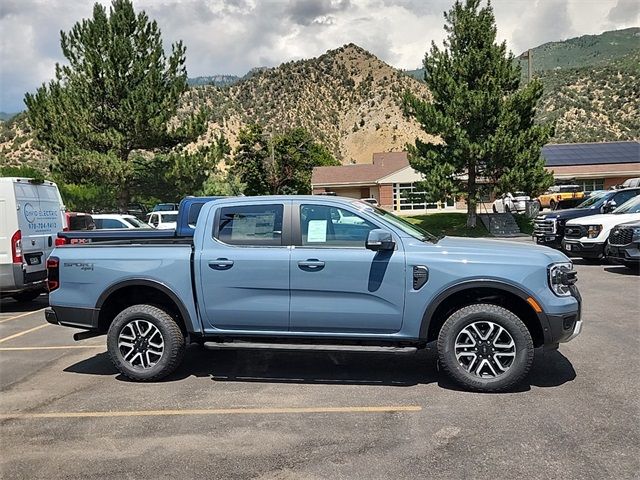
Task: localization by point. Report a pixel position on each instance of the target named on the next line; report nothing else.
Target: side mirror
(379, 240)
(609, 206)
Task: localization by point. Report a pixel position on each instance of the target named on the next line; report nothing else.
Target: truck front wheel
(485, 348)
(145, 343)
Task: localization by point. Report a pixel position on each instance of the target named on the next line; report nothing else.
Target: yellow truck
(561, 196)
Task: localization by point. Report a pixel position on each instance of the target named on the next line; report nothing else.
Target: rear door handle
(312, 264)
(221, 264)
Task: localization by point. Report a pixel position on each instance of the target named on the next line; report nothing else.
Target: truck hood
(484, 248)
(570, 213)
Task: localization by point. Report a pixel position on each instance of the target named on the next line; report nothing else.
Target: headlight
(593, 231)
(636, 234)
(561, 277)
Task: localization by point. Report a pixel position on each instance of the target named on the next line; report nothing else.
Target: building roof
(365, 173)
(558, 155)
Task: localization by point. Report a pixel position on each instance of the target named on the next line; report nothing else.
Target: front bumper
(626, 253)
(562, 328)
(576, 248)
(552, 240)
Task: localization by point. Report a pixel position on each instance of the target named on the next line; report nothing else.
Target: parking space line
(19, 334)
(52, 347)
(20, 316)
(215, 411)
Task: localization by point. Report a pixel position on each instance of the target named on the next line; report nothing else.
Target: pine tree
(117, 93)
(278, 164)
(480, 112)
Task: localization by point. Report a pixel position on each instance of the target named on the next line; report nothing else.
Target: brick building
(391, 180)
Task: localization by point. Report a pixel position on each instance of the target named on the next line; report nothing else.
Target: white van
(31, 215)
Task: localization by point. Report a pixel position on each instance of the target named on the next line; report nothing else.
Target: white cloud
(232, 36)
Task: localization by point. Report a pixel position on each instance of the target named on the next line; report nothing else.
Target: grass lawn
(453, 224)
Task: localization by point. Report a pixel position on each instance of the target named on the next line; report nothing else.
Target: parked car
(31, 215)
(587, 237)
(372, 201)
(104, 221)
(549, 226)
(623, 245)
(380, 283)
(511, 202)
(78, 221)
(165, 207)
(561, 196)
(188, 214)
(163, 220)
(631, 182)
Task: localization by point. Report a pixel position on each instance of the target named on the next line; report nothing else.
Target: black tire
(171, 335)
(507, 209)
(553, 205)
(26, 296)
(519, 333)
(495, 210)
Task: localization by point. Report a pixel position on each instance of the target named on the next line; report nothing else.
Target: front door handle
(311, 265)
(221, 264)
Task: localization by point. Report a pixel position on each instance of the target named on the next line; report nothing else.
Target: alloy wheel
(141, 344)
(485, 349)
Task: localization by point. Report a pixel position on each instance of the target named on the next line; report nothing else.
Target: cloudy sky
(232, 36)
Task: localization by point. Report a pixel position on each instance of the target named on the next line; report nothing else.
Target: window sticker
(317, 231)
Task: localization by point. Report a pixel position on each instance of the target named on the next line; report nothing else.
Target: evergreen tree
(481, 114)
(278, 164)
(117, 93)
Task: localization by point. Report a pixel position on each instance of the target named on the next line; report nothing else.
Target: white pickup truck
(586, 237)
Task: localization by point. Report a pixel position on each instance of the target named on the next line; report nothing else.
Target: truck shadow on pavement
(9, 305)
(344, 368)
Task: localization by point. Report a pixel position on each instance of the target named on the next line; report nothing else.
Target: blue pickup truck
(322, 271)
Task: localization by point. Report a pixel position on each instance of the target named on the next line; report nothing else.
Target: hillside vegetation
(351, 101)
(347, 98)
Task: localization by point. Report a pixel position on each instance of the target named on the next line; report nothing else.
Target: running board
(307, 347)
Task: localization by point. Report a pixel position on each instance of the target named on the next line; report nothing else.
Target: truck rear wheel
(485, 348)
(145, 343)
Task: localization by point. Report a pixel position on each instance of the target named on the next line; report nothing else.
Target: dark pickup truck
(188, 212)
(548, 227)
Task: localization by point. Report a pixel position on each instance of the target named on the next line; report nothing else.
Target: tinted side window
(622, 197)
(251, 225)
(194, 212)
(324, 226)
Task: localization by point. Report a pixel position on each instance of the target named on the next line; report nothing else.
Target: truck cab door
(337, 285)
(243, 282)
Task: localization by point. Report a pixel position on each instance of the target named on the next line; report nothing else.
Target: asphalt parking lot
(66, 413)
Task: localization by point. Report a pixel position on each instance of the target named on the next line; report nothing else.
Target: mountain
(5, 117)
(351, 101)
(578, 52)
(216, 80)
(595, 103)
(586, 51)
(347, 98)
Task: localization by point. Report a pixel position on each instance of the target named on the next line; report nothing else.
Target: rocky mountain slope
(347, 98)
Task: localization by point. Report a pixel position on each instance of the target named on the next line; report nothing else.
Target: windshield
(135, 222)
(169, 217)
(594, 201)
(405, 226)
(631, 206)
